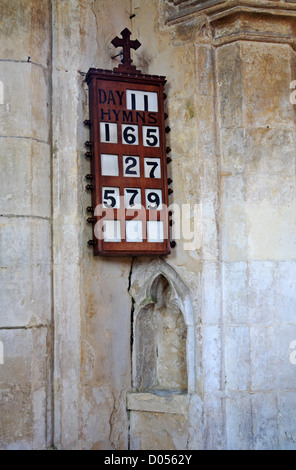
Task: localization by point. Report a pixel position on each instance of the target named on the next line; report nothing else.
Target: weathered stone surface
(152, 431)
(265, 421)
(235, 293)
(26, 296)
(261, 292)
(271, 216)
(158, 403)
(286, 420)
(214, 437)
(25, 228)
(23, 389)
(211, 293)
(230, 85)
(239, 421)
(266, 102)
(25, 187)
(25, 31)
(234, 222)
(285, 291)
(24, 114)
(211, 357)
(31, 242)
(237, 356)
(273, 370)
(270, 151)
(232, 145)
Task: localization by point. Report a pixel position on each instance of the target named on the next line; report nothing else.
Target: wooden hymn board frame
(129, 163)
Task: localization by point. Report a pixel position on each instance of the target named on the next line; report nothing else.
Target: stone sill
(159, 402)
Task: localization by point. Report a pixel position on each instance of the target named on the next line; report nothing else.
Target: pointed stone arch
(163, 279)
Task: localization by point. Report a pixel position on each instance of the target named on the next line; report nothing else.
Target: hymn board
(127, 147)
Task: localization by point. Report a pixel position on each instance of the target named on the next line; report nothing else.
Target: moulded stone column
(251, 48)
(25, 225)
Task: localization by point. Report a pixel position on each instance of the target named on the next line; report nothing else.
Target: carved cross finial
(127, 45)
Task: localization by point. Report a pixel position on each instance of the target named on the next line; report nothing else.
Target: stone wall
(71, 324)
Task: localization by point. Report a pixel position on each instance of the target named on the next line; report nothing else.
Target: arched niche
(163, 335)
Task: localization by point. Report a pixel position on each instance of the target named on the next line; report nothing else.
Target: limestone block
(270, 357)
(96, 409)
(287, 420)
(158, 403)
(26, 296)
(267, 68)
(66, 246)
(108, 323)
(206, 135)
(183, 125)
(15, 120)
(270, 151)
(84, 32)
(24, 389)
(234, 223)
(196, 423)
(66, 187)
(285, 288)
(65, 105)
(204, 70)
(214, 432)
(207, 177)
(237, 358)
(230, 85)
(67, 354)
(232, 147)
(25, 31)
(235, 293)
(66, 38)
(24, 242)
(211, 294)
(154, 431)
(24, 177)
(239, 421)
(209, 235)
(211, 357)
(271, 214)
(265, 421)
(40, 99)
(261, 292)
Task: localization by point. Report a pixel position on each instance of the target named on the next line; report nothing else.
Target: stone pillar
(91, 301)
(246, 61)
(25, 225)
